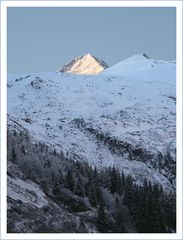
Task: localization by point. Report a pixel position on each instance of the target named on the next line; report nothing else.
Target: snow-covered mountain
(86, 64)
(141, 66)
(123, 117)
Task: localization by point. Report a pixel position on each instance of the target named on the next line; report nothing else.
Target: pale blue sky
(43, 39)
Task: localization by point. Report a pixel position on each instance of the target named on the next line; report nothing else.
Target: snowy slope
(142, 67)
(126, 121)
(86, 64)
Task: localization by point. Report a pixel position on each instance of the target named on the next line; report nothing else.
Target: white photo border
(4, 5)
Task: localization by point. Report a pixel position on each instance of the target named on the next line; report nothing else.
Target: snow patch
(27, 192)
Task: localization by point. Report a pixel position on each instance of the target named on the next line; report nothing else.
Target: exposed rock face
(86, 64)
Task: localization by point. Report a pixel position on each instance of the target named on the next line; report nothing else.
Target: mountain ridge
(140, 65)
